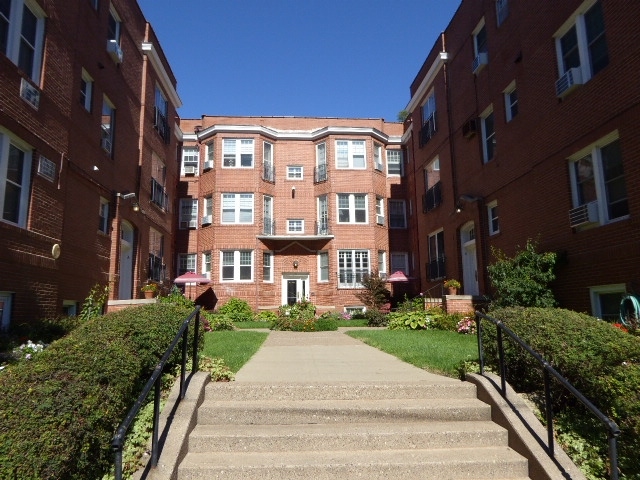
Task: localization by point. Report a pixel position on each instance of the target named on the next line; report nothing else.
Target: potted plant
(149, 290)
(452, 285)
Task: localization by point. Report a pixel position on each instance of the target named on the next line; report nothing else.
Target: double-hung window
(207, 210)
(237, 208)
(188, 213)
(114, 25)
(429, 125)
(268, 171)
(397, 214)
(394, 163)
(186, 263)
(323, 266)
(353, 266)
(103, 216)
(161, 114)
(156, 256)
(209, 155)
(488, 135)
(581, 46)
(159, 195)
(267, 266)
(382, 264)
(108, 126)
(22, 35)
(237, 153)
(377, 156)
(323, 215)
(400, 262)
(294, 172)
(436, 265)
(206, 264)
(350, 154)
(86, 90)
(190, 161)
(321, 163)
(380, 210)
(492, 217)
(432, 196)
(598, 185)
(236, 265)
(511, 101)
(352, 208)
(15, 174)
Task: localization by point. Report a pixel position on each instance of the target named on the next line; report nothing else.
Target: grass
(341, 323)
(234, 347)
(437, 351)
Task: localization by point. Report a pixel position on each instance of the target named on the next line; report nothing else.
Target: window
(321, 163)
(267, 266)
(295, 226)
(159, 195)
(161, 113)
(377, 156)
(502, 10)
(267, 215)
(186, 263)
(355, 309)
(103, 216)
(207, 210)
(480, 39)
(188, 213)
(69, 308)
(350, 154)
(436, 265)
(323, 215)
(113, 28)
(400, 262)
(380, 210)
(294, 172)
(157, 268)
(86, 90)
(394, 163)
(511, 101)
(397, 214)
(428, 128)
(209, 155)
(15, 169)
(237, 153)
(488, 136)
(108, 126)
(433, 187)
(581, 42)
(269, 173)
(382, 264)
(597, 179)
(353, 265)
(190, 161)
(236, 265)
(352, 208)
(323, 266)
(206, 264)
(22, 35)
(492, 217)
(605, 301)
(237, 208)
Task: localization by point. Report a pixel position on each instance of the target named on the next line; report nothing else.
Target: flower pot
(453, 290)
(149, 294)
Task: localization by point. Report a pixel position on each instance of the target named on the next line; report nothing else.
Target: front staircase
(347, 430)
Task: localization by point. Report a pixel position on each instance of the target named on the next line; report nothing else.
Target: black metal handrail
(548, 370)
(117, 443)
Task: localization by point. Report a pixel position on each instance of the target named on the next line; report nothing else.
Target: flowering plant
(26, 351)
(149, 287)
(452, 283)
(467, 325)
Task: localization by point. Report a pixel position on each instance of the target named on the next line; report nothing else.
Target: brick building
(523, 124)
(278, 209)
(88, 152)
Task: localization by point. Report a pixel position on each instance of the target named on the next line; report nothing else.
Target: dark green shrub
(237, 310)
(326, 324)
(59, 411)
(601, 361)
(374, 293)
(176, 297)
(375, 318)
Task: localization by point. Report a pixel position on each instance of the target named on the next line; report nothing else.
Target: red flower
(619, 326)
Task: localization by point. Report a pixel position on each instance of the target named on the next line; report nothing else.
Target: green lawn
(234, 347)
(434, 350)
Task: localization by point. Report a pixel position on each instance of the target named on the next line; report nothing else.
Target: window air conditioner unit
(469, 128)
(206, 220)
(188, 224)
(208, 165)
(30, 93)
(114, 50)
(189, 170)
(380, 219)
(106, 144)
(479, 62)
(584, 214)
(568, 82)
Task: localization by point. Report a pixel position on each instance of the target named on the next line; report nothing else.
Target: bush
(265, 316)
(374, 293)
(217, 322)
(326, 324)
(60, 410)
(237, 310)
(601, 361)
(375, 318)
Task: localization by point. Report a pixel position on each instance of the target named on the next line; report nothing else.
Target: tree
(402, 115)
(375, 294)
(524, 279)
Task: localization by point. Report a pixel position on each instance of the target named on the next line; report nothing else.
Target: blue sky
(317, 58)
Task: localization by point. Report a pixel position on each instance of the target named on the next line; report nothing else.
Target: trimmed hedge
(601, 361)
(59, 411)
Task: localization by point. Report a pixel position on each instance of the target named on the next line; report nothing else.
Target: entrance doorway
(295, 287)
(469, 260)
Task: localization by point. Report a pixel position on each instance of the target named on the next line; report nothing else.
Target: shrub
(265, 316)
(176, 297)
(237, 310)
(217, 322)
(60, 410)
(601, 361)
(375, 318)
(326, 324)
(375, 292)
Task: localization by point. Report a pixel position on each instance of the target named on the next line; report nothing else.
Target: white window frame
(480, 47)
(394, 216)
(186, 263)
(210, 154)
(46, 168)
(295, 172)
(206, 264)
(238, 203)
(399, 262)
(351, 266)
(348, 153)
(395, 164)
(188, 213)
(267, 266)
(352, 207)
(117, 33)
(511, 101)
(323, 267)
(295, 225)
(488, 137)
(379, 210)
(8, 141)
(377, 157)
(238, 153)
(239, 261)
(103, 216)
(595, 292)
(190, 159)
(207, 207)
(601, 190)
(382, 264)
(86, 90)
(16, 41)
(492, 218)
(108, 129)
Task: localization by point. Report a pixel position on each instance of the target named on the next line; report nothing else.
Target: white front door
(469, 260)
(126, 261)
(295, 287)
(5, 311)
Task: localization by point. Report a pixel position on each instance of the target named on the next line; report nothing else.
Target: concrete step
(329, 437)
(287, 412)
(441, 464)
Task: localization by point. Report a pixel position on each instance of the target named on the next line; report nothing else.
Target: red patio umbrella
(397, 277)
(191, 278)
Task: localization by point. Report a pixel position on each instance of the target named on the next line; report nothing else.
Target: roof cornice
(152, 53)
(425, 85)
